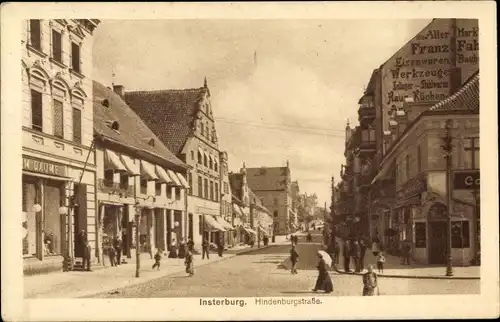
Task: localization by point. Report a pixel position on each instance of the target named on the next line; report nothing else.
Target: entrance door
(80, 217)
(437, 242)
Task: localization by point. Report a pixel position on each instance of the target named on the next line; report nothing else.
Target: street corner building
(183, 120)
(141, 184)
(394, 181)
(59, 169)
(273, 186)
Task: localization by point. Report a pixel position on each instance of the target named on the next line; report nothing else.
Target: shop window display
(52, 219)
(29, 219)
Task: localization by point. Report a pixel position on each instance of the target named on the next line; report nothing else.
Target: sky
(280, 89)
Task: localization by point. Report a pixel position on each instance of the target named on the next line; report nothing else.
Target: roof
(466, 98)
(169, 113)
(262, 179)
(236, 181)
(132, 132)
(370, 88)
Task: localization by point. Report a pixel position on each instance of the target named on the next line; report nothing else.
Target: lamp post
(137, 239)
(447, 147)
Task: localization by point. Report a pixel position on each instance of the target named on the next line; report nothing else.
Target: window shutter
(58, 119)
(77, 125)
(36, 110)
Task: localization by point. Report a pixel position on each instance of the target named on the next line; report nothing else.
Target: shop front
(46, 209)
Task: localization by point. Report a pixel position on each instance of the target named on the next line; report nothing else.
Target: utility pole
(447, 147)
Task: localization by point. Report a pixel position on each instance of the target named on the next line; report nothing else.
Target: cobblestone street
(260, 273)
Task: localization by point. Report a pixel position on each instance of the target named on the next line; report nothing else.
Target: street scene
(211, 158)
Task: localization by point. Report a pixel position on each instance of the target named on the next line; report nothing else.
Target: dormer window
(105, 102)
(151, 143)
(114, 125)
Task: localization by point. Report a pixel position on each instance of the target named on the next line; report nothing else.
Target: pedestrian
(205, 249)
(188, 262)
(336, 253)
(363, 247)
(220, 246)
(323, 282)
(406, 253)
(370, 285)
(309, 237)
(375, 247)
(294, 258)
(157, 259)
(86, 256)
(112, 255)
(117, 245)
(356, 254)
(346, 252)
(173, 250)
(380, 263)
(190, 244)
(182, 249)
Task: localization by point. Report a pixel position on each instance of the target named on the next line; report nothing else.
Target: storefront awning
(237, 210)
(408, 202)
(236, 221)
(47, 176)
(112, 161)
(182, 180)
(132, 169)
(211, 224)
(174, 177)
(148, 170)
(163, 176)
(249, 231)
(224, 223)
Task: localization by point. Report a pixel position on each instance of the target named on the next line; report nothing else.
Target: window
(200, 158)
(192, 155)
(169, 192)
(29, 222)
(58, 119)
(56, 46)
(471, 153)
(226, 188)
(109, 176)
(52, 224)
(200, 186)
(211, 190)
(216, 191)
(210, 163)
(208, 131)
(420, 235)
(190, 181)
(35, 34)
(36, 111)
(407, 167)
(460, 234)
(77, 125)
(216, 167)
(75, 57)
(200, 224)
(177, 193)
(206, 188)
(144, 186)
(275, 213)
(202, 129)
(419, 159)
(124, 181)
(205, 162)
(158, 188)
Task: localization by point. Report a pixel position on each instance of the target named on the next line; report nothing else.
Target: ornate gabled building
(58, 173)
(183, 120)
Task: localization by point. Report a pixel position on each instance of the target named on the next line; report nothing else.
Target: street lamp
(447, 147)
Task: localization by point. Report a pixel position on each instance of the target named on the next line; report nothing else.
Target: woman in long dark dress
(323, 282)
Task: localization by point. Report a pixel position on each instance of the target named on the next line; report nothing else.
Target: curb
(414, 276)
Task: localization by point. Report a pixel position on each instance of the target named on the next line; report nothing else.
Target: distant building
(183, 120)
(57, 152)
(273, 186)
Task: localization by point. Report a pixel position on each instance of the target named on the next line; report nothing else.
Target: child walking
(157, 259)
(380, 262)
(189, 263)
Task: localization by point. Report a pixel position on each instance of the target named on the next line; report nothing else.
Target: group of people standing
(354, 250)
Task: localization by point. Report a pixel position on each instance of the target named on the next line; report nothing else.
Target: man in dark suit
(205, 249)
(346, 252)
(87, 250)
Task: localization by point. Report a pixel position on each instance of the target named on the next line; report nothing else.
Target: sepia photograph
(277, 161)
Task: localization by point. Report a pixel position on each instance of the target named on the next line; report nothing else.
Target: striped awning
(237, 210)
(211, 224)
(174, 178)
(112, 161)
(249, 230)
(182, 180)
(148, 170)
(132, 168)
(163, 175)
(224, 223)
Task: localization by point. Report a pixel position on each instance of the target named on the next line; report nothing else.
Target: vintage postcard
(239, 161)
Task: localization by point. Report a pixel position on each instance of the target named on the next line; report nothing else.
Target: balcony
(108, 186)
(366, 114)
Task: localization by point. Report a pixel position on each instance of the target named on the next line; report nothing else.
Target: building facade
(184, 122)
(141, 185)
(226, 209)
(58, 174)
(273, 186)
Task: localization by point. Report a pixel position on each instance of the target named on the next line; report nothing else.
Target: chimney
(119, 89)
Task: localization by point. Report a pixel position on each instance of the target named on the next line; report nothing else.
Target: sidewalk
(76, 284)
(394, 268)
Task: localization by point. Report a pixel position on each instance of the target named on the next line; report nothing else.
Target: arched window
(216, 167)
(205, 161)
(77, 103)
(38, 81)
(202, 129)
(208, 131)
(210, 163)
(200, 158)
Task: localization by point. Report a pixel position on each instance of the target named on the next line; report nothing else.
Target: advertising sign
(422, 69)
(468, 180)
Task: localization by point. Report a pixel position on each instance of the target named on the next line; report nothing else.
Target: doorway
(80, 218)
(437, 242)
